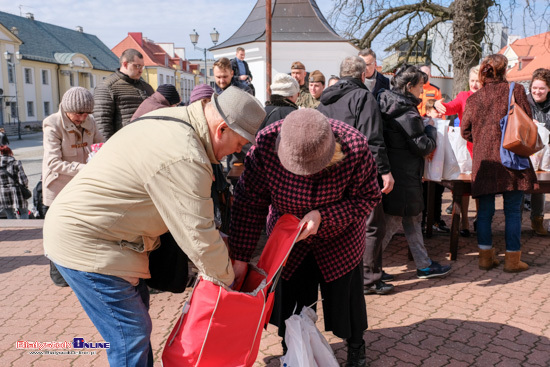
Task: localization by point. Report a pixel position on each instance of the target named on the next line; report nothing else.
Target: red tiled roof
(153, 54)
(533, 53)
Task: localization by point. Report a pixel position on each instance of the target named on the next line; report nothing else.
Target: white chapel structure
(300, 32)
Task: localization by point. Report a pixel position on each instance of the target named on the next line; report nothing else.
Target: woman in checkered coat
(11, 197)
(322, 171)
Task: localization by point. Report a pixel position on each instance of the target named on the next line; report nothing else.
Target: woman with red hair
(481, 126)
(11, 176)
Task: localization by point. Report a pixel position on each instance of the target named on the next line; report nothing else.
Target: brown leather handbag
(521, 136)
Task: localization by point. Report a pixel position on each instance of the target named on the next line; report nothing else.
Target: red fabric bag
(223, 327)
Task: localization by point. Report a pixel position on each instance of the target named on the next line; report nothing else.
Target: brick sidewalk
(470, 318)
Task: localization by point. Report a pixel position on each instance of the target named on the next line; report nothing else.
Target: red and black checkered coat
(344, 194)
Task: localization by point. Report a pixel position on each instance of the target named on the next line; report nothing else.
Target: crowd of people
(346, 158)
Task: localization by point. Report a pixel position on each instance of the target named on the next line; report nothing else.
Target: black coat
(541, 111)
(277, 108)
(381, 83)
(350, 101)
(407, 142)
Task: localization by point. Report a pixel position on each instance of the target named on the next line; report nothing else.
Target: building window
(92, 85)
(45, 77)
(161, 79)
(28, 76)
(11, 73)
(30, 109)
(450, 67)
(71, 79)
(211, 72)
(13, 110)
(46, 109)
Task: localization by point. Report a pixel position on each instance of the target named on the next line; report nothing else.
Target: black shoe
(464, 233)
(434, 270)
(356, 356)
(449, 209)
(475, 225)
(379, 288)
(441, 227)
(56, 276)
(386, 277)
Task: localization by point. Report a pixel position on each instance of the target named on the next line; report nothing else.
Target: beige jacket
(150, 177)
(65, 151)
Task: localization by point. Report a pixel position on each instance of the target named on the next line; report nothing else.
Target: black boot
(56, 276)
(356, 356)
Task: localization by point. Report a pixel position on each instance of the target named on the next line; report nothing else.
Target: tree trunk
(468, 30)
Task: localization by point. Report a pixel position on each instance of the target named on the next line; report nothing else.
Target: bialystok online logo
(77, 343)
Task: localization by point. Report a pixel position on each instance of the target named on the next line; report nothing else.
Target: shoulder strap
(271, 113)
(15, 180)
(167, 118)
(511, 95)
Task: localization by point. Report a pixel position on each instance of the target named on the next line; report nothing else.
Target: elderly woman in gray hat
(68, 135)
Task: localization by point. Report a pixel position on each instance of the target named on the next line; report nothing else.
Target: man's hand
(439, 106)
(387, 181)
(311, 221)
(243, 77)
(240, 269)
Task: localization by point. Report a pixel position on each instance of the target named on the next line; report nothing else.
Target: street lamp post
(215, 36)
(9, 59)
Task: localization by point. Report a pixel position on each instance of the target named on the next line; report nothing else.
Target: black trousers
(344, 308)
(372, 258)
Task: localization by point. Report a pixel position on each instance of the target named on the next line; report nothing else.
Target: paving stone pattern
(470, 318)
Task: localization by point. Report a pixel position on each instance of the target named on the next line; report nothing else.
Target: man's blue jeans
(119, 311)
(512, 214)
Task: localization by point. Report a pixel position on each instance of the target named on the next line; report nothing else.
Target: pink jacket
(65, 151)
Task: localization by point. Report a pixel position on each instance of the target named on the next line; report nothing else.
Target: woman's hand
(439, 106)
(311, 222)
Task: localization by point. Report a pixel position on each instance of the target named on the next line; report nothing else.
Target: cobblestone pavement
(469, 318)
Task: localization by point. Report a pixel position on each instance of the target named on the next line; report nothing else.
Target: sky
(169, 21)
(159, 20)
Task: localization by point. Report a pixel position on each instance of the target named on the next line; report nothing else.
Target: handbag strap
(15, 180)
(167, 118)
(511, 96)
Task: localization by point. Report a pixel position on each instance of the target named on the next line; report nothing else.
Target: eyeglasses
(137, 66)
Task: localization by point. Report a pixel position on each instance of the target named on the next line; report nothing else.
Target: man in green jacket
(153, 176)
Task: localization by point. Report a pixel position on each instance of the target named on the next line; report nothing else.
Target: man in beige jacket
(153, 176)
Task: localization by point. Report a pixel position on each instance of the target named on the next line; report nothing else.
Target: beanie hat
(78, 99)
(241, 111)
(169, 92)
(284, 85)
(201, 91)
(317, 77)
(306, 142)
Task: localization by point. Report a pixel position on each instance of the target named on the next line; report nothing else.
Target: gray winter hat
(306, 142)
(78, 99)
(241, 111)
(284, 85)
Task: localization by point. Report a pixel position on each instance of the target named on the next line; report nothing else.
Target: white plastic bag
(458, 143)
(433, 169)
(451, 169)
(541, 159)
(306, 345)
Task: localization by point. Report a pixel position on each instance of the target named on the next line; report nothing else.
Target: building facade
(37, 68)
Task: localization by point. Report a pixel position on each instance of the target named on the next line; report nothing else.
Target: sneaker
(379, 288)
(386, 277)
(449, 209)
(527, 205)
(434, 270)
(441, 227)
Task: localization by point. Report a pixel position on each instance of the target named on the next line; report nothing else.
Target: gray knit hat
(78, 99)
(284, 85)
(241, 111)
(306, 142)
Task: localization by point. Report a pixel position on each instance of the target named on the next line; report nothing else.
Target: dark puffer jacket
(407, 142)
(541, 111)
(350, 101)
(116, 100)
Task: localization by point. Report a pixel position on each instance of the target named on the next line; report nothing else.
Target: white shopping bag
(541, 159)
(433, 169)
(306, 345)
(451, 169)
(458, 143)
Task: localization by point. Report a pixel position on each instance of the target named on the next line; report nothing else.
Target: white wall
(323, 56)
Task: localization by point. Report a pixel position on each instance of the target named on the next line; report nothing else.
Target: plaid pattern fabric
(344, 194)
(10, 194)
